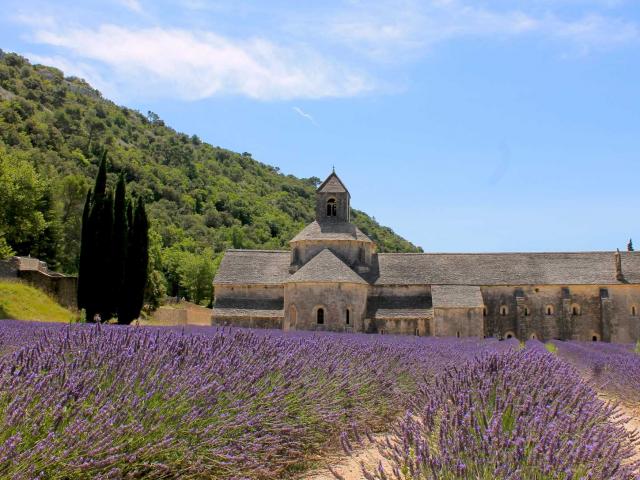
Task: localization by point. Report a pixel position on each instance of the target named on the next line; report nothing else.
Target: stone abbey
(332, 279)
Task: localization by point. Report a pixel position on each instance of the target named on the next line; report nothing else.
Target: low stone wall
(61, 287)
(8, 268)
(189, 314)
(248, 322)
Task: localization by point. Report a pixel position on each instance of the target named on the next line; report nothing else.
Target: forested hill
(201, 199)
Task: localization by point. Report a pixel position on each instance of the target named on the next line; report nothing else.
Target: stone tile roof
(271, 267)
(457, 296)
(401, 313)
(253, 267)
(399, 307)
(582, 268)
(246, 312)
(326, 267)
(332, 184)
(331, 231)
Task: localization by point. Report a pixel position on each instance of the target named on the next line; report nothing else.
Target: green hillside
(201, 199)
(23, 302)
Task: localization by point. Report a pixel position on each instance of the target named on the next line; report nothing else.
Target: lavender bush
(515, 415)
(613, 369)
(117, 402)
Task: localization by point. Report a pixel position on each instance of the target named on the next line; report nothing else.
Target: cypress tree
(630, 246)
(119, 246)
(84, 269)
(103, 292)
(137, 262)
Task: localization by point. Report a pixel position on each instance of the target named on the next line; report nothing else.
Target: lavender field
(123, 402)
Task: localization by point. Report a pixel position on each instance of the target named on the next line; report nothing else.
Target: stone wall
(458, 322)
(63, 289)
(348, 251)
(399, 326)
(302, 301)
(8, 268)
(248, 322)
(574, 312)
(258, 292)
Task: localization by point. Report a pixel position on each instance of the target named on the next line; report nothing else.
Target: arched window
(484, 311)
(534, 336)
(458, 334)
(331, 207)
(503, 310)
(526, 311)
(509, 335)
(549, 310)
(575, 309)
(320, 316)
(594, 338)
(634, 311)
(347, 316)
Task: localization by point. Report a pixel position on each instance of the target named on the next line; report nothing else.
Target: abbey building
(333, 279)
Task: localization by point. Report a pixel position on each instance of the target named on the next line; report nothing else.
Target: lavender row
(518, 415)
(118, 402)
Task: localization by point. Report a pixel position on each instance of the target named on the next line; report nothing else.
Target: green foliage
(637, 349)
(5, 250)
(23, 302)
(114, 253)
(200, 199)
(551, 347)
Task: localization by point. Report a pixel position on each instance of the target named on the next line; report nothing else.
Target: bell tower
(333, 201)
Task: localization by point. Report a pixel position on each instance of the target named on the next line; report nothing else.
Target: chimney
(618, 259)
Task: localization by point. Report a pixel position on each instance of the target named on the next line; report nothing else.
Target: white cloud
(133, 5)
(304, 114)
(394, 31)
(194, 65)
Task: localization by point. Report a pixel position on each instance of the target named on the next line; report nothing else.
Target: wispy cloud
(304, 114)
(133, 5)
(194, 65)
(392, 31)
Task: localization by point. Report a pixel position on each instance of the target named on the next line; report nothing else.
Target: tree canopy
(201, 199)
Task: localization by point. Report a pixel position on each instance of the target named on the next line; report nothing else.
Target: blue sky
(464, 125)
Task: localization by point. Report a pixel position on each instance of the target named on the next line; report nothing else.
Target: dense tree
(200, 199)
(135, 281)
(119, 243)
(630, 246)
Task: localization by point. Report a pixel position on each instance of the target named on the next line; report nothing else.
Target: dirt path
(632, 424)
(349, 466)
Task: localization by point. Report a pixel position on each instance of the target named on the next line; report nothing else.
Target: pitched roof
(222, 312)
(253, 267)
(402, 313)
(326, 267)
(458, 296)
(332, 184)
(586, 268)
(331, 231)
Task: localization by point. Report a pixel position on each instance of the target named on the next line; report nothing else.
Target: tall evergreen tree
(137, 263)
(102, 220)
(119, 245)
(630, 246)
(84, 268)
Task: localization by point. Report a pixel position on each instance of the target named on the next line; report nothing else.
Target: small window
(417, 332)
(575, 310)
(509, 335)
(526, 311)
(320, 316)
(534, 336)
(458, 334)
(484, 311)
(381, 332)
(549, 310)
(594, 338)
(347, 315)
(503, 310)
(331, 208)
(634, 311)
